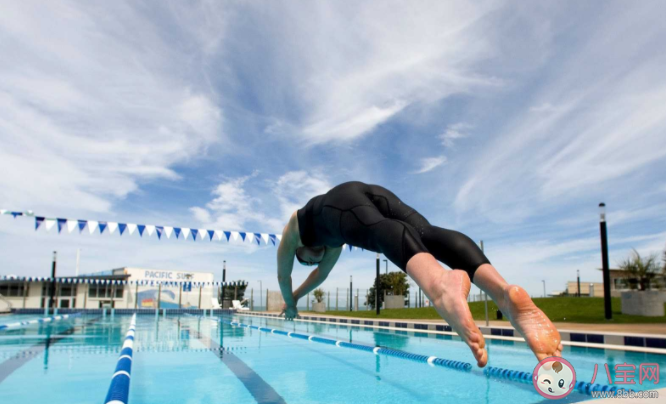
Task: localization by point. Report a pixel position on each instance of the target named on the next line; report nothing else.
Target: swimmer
(373, 218)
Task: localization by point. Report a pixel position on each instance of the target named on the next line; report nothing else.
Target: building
(125, 288)
(619, 282)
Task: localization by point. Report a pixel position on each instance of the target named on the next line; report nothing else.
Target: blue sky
(504, 120)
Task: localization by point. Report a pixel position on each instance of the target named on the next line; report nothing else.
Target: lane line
(21, 358)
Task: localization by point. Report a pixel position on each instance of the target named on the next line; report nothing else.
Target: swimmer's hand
(290, 312)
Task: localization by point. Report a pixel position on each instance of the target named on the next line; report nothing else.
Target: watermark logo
(554, 378)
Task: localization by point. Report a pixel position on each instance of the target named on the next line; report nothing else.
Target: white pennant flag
(49, 223)
(235, 235)
(264, 237)
(218, 234)
(279, 237)
(131, 227)
(71, 225)
(185, 232)
(150, 229)
(2, 211)
(168, 230)
(203, 234)
(92, 226)
(112, 226)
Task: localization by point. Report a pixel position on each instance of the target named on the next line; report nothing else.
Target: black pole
(377, 287)
(604, 260)
(351, 294)
(52, 289)
(578, 276)
(386, 262)
(224, 279)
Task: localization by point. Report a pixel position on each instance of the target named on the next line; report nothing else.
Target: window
(105, 291)
(12, 289)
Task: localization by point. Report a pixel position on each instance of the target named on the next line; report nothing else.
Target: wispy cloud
(355, 75)
(610, 128)
(430, 163)
(93, 103)
(454, 132)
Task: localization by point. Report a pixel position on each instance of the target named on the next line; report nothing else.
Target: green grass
(559, 309)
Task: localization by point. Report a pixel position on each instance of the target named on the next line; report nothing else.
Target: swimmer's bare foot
(451, 304)
(537, 329)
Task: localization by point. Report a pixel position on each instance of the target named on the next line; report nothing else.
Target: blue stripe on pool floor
(258, 387)
(16, 361)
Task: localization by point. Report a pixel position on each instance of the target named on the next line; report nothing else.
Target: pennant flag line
(149, 230)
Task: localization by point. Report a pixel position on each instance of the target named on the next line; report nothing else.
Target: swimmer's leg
(448, 291)
(537, 329)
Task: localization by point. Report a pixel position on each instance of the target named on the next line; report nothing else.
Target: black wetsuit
(373, 218)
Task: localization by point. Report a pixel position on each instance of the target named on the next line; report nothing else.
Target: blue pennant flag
(102, 226)
(194, 233)
(61, 224)
(272, 238)
(242, 235)
(211, 233)
(350, 247)
(38, 221)
(141, 228)
(16, 214)
(122, 227)
(177, 231)
(159, 230)
(257, 238)
(228, 234)
(82, 225)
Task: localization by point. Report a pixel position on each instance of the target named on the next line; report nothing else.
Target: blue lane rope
(496, 372)
(37, 321)
(526, 377)
(120, 382)
(432, 360)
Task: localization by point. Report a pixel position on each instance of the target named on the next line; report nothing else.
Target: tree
(319, 295)
(229, 291)
(640, 271)
(393, 283)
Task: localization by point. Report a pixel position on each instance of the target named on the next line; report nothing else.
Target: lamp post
(260, 293)
(52, 288)
(578, 277)
(386, 262)
(544, 288)
(377, 287)
(604, 260)
(351, 293)
(224, 279)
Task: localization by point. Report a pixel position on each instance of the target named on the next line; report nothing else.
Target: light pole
(351, 298)
(377, 287)
(386, 262)
(260, 293)
(578, 277)
(224, 279)
(544, 288)
(604, 260)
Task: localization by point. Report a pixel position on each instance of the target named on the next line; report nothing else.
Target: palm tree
(640, 271)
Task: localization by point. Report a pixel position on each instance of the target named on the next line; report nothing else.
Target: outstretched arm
(320, 273)
(285, 258)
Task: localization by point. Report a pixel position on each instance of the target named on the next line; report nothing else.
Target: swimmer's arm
(285, 259)
(319, 275)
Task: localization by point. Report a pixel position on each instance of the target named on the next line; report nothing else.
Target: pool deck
(659, 329)
(626, 337)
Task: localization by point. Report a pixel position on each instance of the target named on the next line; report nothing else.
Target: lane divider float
(37, 321)
(432, 360)
(120, 381)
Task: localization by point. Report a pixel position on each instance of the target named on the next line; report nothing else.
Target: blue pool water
(187, 359)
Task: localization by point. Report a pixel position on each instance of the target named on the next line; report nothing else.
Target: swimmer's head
(310, 255)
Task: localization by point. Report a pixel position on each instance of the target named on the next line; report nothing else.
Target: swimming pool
(194, 359)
